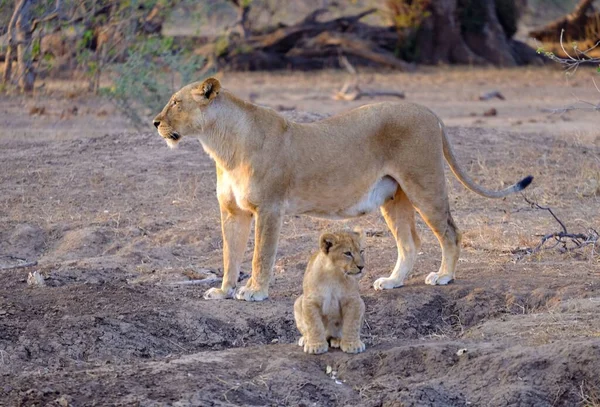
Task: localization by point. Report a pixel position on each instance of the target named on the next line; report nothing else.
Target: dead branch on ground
(351, 90)
(566, 241)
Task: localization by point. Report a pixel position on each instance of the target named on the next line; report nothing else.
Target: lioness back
(330, 311)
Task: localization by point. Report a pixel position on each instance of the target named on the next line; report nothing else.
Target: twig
(571, 64)
(209, 280)
(563, 237)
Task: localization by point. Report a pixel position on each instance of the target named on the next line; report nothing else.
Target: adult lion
(383, 155)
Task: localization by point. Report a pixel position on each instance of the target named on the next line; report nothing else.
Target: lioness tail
(464, 178)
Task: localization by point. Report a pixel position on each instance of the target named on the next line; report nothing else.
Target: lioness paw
(301, 341)
(218, 294)
(316, 348)
(386, 283)
(436, 279)
(352, 346)
(334, 342)
(250, 294)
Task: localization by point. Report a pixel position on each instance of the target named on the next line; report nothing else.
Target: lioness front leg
(268, 225)
(235, 227)
(353, 312)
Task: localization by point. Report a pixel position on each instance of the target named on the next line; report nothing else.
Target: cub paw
(316, 348)
(301, 341)
(251, 294)
(352, 346)
(217, 294)
(334, 342)
(386, 283)
(436, 279)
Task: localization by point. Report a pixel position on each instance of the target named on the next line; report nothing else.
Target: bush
(152, 72)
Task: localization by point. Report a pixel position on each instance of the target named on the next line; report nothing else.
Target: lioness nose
(360, 267)
(156, 123)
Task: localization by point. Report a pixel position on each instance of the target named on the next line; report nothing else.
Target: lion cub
(330, 307)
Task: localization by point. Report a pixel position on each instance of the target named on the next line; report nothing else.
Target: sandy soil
(113, 219)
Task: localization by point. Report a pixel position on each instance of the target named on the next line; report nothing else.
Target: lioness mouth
(174, 136)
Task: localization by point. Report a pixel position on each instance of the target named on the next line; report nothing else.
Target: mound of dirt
(83, 243)
(25, 241)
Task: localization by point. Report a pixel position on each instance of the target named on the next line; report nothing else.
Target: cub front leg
(313, 339)
(353, 312)
(266, 237)
(235, 227)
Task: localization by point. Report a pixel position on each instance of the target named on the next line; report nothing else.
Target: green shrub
(152, 72)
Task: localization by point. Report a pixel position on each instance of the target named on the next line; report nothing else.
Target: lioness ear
(207, 90)
(327, 241)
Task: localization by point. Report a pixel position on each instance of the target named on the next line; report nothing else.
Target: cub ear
(360, 234)
(327, 241)
(207, 90)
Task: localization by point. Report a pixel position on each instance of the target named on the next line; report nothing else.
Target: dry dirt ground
(113, 219)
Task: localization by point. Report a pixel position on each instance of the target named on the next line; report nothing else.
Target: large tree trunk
(472, 32)
(439, 38)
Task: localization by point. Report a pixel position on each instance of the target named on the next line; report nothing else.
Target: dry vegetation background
(112, 222)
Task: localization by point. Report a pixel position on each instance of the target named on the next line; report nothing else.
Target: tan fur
(330, 308)
(387, 155)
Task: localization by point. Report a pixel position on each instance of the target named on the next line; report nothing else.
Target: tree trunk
(491, 43)
(23, 35)
(471, 32)
(439, 38)
(7, 73)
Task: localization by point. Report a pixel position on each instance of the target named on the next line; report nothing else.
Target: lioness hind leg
(399, 215)
(432, 204)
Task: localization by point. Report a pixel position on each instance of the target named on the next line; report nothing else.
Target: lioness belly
(347, 206)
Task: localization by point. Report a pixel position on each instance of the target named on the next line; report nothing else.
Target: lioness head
(344, 249)
(186, 110)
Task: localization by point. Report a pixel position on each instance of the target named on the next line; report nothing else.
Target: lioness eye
(348, 254)
(362, 252)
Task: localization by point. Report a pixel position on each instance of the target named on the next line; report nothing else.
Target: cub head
(345, 250)
(187, 111)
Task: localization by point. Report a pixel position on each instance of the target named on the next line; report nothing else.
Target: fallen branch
(351, 90)
(567, 241)
(21, 263)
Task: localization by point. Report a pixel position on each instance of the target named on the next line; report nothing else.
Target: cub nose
(360, 267)
(156, 123)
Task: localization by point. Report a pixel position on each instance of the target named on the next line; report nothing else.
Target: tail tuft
(524, 183)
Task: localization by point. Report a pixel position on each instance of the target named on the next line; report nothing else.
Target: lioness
(330, 307)
(383, 155)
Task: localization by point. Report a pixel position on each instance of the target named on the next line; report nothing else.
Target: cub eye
(362, 252)
(174, 103)
(348, 254)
